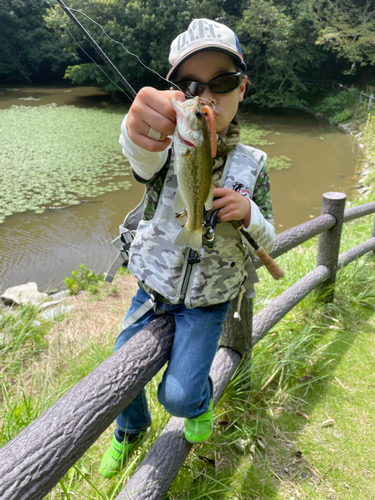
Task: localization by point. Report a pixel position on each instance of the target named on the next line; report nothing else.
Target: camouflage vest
(161, 266)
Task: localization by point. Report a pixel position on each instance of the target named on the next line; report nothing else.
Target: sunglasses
(219, 85)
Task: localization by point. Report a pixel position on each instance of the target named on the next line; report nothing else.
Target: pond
(65, 186)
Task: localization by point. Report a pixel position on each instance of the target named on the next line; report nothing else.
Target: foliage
(279, 47)
(27, 45)
(144, 28)
(339, 107)
(83, 279)
(63, 154)
(21, 336)
(279, 162)
(346, 27)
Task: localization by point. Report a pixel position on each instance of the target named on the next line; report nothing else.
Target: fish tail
(189, 238)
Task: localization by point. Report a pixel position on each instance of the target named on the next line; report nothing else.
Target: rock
(319, 115)
(62, 295)
(50, 303)
(23, 295)
(241, 444)
(328, 423)
(346, 127)
(56, 312)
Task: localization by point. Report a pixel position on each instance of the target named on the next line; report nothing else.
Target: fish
(193, 167)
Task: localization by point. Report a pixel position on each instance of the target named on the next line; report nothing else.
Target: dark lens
(191, 89)
(225, 83)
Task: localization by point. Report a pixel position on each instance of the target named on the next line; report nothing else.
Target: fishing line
(132, 54)
(109, 62)
(123, 46)
(88, 55)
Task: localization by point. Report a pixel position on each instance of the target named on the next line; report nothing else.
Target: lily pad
(57, 155)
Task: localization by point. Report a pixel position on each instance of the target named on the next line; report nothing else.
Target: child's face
(205, 66)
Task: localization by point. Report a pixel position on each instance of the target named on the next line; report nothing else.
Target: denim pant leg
(186, 388)
(136, 416)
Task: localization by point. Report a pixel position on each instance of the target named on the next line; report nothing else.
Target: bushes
(341, 106)
(84, 279)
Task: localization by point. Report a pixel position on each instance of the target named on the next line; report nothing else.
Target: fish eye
(199, 114)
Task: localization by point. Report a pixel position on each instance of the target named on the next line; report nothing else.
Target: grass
(269, 442)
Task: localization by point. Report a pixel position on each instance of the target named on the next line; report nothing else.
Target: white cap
(204, 34)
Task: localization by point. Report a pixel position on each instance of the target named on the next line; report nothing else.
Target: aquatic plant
(57, 155)
(253, 135)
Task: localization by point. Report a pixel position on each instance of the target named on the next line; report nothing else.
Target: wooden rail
(35, 460)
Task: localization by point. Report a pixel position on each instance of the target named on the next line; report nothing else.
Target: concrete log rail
(35, 460)
(329, 242)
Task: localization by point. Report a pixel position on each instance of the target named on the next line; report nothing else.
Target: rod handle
(273, 268)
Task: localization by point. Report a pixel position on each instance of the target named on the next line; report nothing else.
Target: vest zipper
(193, 258)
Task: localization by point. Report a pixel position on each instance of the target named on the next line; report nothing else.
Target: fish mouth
(184, 141)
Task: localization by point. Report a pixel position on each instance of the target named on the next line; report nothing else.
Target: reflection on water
(46, 247)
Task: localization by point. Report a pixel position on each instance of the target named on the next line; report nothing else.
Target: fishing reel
(208, 225)
(209, 228)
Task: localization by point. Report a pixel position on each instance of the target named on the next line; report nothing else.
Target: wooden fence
(35, 460)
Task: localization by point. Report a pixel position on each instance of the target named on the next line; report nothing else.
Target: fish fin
(210, 199)
(191, 239)
(179, 202)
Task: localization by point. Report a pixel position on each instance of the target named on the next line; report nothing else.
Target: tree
(144, 27)
(279, 47)
(26, 43)
(346, 27)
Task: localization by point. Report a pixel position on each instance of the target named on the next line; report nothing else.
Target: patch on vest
(241, 189)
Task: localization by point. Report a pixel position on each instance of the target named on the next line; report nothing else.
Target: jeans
(186, 388)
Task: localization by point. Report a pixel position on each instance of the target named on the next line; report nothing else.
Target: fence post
(361, 96)
(370, 102)
(329, 242)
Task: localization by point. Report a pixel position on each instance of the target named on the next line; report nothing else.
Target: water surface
(46, 247)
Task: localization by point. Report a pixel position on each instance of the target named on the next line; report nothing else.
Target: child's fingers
(152, 109)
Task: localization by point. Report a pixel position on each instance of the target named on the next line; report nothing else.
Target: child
(205, 61)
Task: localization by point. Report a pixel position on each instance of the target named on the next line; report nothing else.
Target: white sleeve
(144, 163)
(262, 230)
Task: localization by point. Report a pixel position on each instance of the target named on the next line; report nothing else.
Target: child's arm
(256, 213)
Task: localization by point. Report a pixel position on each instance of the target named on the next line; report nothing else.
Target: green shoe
(199, 429)
(117, 455)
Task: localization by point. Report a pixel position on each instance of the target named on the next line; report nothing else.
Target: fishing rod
(101, 53)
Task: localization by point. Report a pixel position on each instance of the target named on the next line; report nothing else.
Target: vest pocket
(154, 259)
(220, 273)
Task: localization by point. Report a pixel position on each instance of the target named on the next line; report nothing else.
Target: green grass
(314, 365)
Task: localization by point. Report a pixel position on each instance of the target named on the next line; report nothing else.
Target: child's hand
(151, 109)
(232, 205)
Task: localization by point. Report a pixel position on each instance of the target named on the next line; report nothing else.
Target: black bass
(193, 167)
